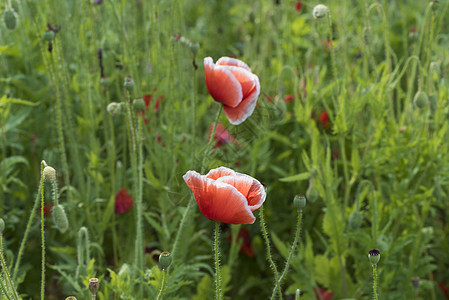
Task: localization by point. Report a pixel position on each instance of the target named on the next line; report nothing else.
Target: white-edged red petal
(219, 172)
(229, 61)
(237, 115)
(219, 201)
(250, 188)
(222, 85)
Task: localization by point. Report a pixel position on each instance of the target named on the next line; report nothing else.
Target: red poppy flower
(298, 5)
(231, 82)
(444, 289)
(222, 136)
(321, 294)
(226, 196)
(123, 202)
(289, 98)
(246, 247)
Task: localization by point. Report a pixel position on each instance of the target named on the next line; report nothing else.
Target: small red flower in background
(289, 98)
(444, 289)
(231, 82)
(222, 136)
(48, 209)
(123, 202)
(298, 5)
(321, 294)
(323, 120)
(148, 99)
(226, 196)
(246, 247)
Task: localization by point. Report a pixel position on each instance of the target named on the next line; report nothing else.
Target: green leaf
(297, 177)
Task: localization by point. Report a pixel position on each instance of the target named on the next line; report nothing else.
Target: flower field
(211, 149)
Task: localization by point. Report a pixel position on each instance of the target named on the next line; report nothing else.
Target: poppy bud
(355, 220)
(165, 260)
(2, 226)
(60, 218)
(49, 35)
(374, 256)
(312, 193)
(10, 18)
(421, 100)
(129, 83)
(194, 47)
(367, 35)
(319, 11)
(139, 104)
(49, 174)
(114, 109)
(299, 201)
(434, 5)
(94, 285)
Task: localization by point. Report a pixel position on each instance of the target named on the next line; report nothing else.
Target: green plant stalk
(218, 290)
(6, 273)
(43, 238)
(386, 35)
(27, 231)
(4, 289)
(139, 204)
(375, 297)
(270, 259)
(290, 255)
(164, 280)
(297, 294)
(331, 50)
(191, 201)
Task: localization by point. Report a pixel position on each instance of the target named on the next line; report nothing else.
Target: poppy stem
(290, 255)
(375, 297)
(218, 291)
(211, 140)
(42, 236)
(164, 280)
(7, 279)
(270, 259)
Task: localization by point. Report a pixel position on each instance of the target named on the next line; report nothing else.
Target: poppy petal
(220, 172)
(219, 201)
(247, 80)
(222, 84)
(249, 187)
(236, 115)
(229, 61)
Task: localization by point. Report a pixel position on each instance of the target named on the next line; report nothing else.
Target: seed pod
(374, 256)
(49, 35)
(194, 48)
(434, 5)
(299, 201)
(165, 260)
(60, 218)
(94, 285)
(129, 83)
(114, 109)
(10, 18)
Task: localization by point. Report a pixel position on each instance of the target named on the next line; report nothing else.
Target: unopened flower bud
(434, 5)
(355, 220)
(129, 83)
(312, 193)
(49, 35)
(165, 260)
(421, 100)
(367, 35)
(299, 201)
(139, 104)
(319, 11)
(60, 218)
(2, 226)
(94, 285)
(194, 47)
(374, 256)
(114, 109)
(49, 174)
(10, 18)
